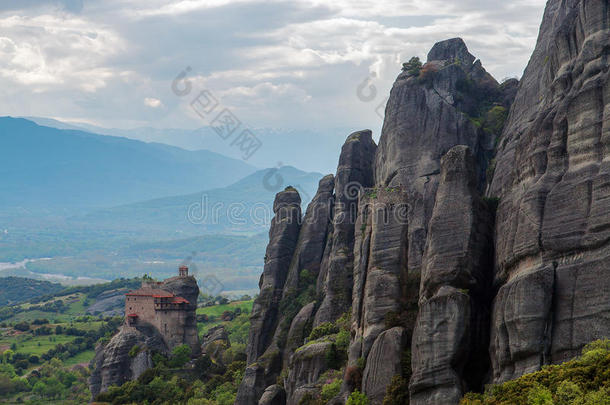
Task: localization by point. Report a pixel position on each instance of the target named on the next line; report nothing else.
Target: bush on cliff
(357, 398)
(582, 381)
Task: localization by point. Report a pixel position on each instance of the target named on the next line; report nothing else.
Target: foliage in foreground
(582, 381)
(51, 382)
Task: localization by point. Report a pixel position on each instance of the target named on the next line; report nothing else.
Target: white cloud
(152, 102)
(278, 63)
(53, 51)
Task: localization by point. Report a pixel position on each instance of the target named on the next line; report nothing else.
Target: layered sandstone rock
(283, 238)
(380, 266)
(414, 255)
(455, 288)
(553, 181)
(427, 115)
(355, 171)
(306, 366)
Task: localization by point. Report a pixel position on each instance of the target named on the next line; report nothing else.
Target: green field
(81, 358)
(37, 345)
(217, 310)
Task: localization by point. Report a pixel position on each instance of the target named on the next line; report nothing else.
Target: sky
(304, 64)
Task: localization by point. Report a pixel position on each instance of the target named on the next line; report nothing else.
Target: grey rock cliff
(112, 364)
(427, 115)
(552, 179)
(445, 288)
(283, 238)
(380, 272)
(455, 288)
(355, 171)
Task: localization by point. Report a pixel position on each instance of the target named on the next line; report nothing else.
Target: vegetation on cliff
(582, 381)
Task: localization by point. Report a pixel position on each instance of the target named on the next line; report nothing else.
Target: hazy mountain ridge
(318, 148)
(45, 167)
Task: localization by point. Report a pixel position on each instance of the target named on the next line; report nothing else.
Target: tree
(413, 66)
(180, 355)
(7, 355)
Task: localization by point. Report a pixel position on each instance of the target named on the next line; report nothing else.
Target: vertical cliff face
(427, 114)
(354, 172)
(316, 274)
(455, 289)
(445, 293)
(553, 181)
(283, 237)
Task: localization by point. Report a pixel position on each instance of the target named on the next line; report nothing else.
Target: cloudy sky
(280, 64)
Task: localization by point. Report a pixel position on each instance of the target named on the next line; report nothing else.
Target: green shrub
(540, 395)
(324, 329)
(180, 355)
(413, 66)
(599, 397)
(567, 393)
(357, 398)
(397, 393)
(581, 381)
(134, 351)
(334, 359)
(342, 340)
(331, 390)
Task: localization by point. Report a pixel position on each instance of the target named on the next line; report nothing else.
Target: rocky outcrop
(354, 172)
(427, 114)
(306, 366)
(552, 179)
(380, 267)
(129, 353)
(300, 327)
(125, 357)
(313, 236)
(455, 288)
(383, 363)
(283, 237)
(273, 395)
(215, 342)
(464, 290)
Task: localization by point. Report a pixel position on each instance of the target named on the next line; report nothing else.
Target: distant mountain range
(307, 149)
(104, 207)
(243, 207)
(47, 168)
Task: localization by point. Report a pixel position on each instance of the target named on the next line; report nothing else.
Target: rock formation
(552, 178)
(129, 353)
(354, 172)
(283, 238)
(473, 249)
(455, 288)
(115, 363)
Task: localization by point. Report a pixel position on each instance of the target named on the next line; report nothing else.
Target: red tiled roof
(180, 300)
(150, 292)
